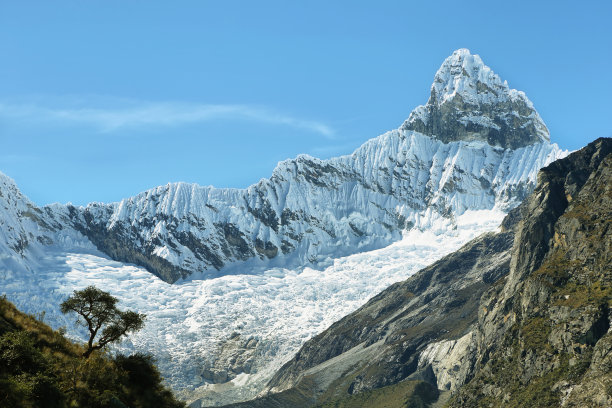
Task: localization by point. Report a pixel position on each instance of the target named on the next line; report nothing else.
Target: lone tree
(98, 310)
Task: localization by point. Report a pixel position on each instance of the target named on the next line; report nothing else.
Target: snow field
(282, 308)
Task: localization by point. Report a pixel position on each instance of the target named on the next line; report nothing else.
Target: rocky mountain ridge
(520, 317)
(544, 336)
(469, 101)
(310, 211)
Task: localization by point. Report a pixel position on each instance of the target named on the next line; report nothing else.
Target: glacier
(234, 281)
(280, 309)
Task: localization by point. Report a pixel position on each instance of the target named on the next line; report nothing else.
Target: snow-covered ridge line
(312, 210)
(477, 144)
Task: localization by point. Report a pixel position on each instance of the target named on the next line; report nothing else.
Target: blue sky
(100, 100)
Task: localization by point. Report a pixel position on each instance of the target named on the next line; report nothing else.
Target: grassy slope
(39, 367)
(405, 394)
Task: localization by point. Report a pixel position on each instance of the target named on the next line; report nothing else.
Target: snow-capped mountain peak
(475, 145)
(469, 101)
(243, 257)
(460, 74)
(445, 160)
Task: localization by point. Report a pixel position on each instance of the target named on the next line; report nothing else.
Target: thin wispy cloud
(157, 114)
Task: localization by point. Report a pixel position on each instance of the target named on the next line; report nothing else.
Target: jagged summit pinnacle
(461, 74)
(469, 101)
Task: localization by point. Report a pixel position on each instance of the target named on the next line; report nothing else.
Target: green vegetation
(540, 392)
(554, 271)
(568, 284)
(577, 295)
(39, 367)
(99, 311)
(504, 373)
(405, 394)
(535, 334)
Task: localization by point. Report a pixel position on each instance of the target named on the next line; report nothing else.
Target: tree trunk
(88, 352)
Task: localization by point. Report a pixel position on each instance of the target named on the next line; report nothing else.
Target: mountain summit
(245, 298)
(424, 174)
(469, 101)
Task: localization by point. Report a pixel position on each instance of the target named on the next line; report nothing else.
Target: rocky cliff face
(515, 318)
(476, 145)
(470, 102)
(418, 330)
(543, 336)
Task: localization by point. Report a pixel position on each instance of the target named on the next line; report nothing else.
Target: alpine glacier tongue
(470, 102)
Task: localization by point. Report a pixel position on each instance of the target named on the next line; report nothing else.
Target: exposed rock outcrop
(543, 337)
(390, 339)
(470, 102)
(515, 318)
(233, 357)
